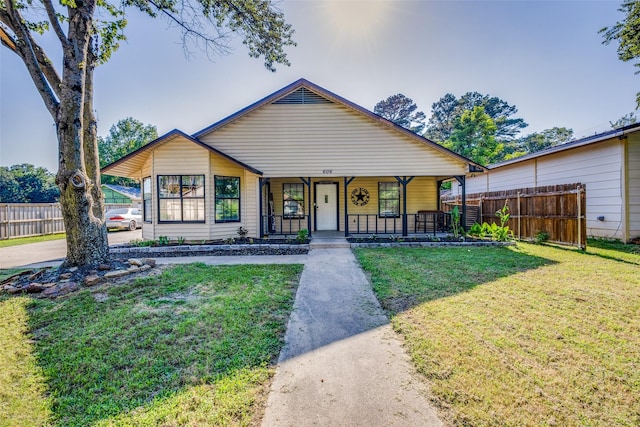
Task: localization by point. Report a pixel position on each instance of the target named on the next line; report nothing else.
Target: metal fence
(34, 219)
(555, 210)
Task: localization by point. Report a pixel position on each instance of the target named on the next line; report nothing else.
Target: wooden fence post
(519, 233)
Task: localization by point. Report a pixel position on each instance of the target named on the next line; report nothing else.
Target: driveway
(34, 253)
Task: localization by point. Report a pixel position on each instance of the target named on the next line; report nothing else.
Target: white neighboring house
(607, 163)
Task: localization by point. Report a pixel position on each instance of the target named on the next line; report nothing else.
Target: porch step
(323, 243)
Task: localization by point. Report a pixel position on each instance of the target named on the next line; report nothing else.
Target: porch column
(463, 220)
(262, 182)
(404, 181)
(438, 200)
(347, 181)
(307, 182)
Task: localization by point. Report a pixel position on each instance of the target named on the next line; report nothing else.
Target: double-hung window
(146, 198)
(227, 198)
(389, 199)
(293, 200)
(181, 198)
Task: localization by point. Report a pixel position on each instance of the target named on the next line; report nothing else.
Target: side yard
(519, 336)
(193, 345)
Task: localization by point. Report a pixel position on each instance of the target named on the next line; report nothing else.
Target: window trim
(146, 211)
(215, 200)
(298, 215)
(181, 198)
(380, 199)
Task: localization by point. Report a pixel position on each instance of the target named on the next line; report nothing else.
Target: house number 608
(327, 171)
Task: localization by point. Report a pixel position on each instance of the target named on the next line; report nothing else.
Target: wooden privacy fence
(557, 210)
(34, 219)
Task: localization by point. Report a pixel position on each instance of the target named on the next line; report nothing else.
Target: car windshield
(118, 211)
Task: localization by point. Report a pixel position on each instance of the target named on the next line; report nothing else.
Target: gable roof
(614, 133)
(130, 192)
(136, 159)
(296, 93)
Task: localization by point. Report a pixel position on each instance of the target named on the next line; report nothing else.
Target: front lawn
(192, 346)
(517, 336)
(4, 243)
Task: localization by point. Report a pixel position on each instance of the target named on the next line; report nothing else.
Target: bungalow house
(608, 164)
(300, 158)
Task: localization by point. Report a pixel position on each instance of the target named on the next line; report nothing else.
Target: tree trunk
(79, 182)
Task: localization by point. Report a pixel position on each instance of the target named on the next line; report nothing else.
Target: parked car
(124, 218)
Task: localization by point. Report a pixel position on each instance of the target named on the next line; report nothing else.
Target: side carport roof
(134, 161)
(303, 83)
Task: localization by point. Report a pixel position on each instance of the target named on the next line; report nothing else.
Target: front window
(146, 199)
(227, 198)
(181, 198)
(389, 199)
(293, 200)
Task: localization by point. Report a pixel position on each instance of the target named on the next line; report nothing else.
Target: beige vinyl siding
(181, 157)
(633, 182)
(248, 200)
(326, 140)
(598, 166)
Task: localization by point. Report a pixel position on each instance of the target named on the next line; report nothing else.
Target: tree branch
(26, 48)
(55, 23)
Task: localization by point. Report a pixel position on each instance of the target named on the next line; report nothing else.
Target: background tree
(402, 111)
(540, 140)
(26, 183)
(448, 109)
(626, 120)
(627, 34)
(124, 137)
(473, 136)
(88, 32)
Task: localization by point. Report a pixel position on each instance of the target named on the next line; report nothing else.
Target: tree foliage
(402, 111)
(540, 140)
(26, 183)
(626, 120)
(627, 34)
(124, 137)
(473, 136)
(88, 33)
(447, 111)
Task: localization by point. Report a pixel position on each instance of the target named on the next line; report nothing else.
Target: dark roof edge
(337, 98)
(613, 133)
(172, 134)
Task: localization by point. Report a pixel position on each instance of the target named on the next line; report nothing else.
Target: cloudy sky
(546, 57)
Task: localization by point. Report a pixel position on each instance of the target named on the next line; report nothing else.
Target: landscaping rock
(12, 289)
(115, 273)
(133, 269)
(34, 288)
(149, 261)
(91, 280)
(65, 276)
(135, 261)
(60, 289)
(104, 267)
(145, 267)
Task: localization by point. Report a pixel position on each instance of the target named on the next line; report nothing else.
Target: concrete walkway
(342, 364)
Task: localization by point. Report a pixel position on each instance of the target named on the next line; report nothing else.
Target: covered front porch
(351, 206)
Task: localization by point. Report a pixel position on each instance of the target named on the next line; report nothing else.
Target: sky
(544, 57)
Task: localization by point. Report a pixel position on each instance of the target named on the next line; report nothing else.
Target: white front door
(326, 207)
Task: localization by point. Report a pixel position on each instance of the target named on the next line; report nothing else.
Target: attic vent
(303, 96)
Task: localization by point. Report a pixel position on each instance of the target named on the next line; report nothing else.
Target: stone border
(212, 250)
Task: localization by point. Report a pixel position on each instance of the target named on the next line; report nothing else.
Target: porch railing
(280, 225)
(421, 222)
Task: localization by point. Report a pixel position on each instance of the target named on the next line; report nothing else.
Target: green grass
(192, 346)
(26, 240)
(520, 336)
(7, 272)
